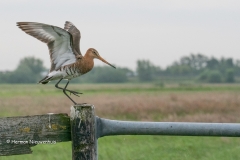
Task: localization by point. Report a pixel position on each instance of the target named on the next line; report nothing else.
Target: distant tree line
(28, 71)
(197, 67)
(206, 69)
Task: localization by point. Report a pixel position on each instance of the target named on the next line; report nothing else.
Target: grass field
(142, 102)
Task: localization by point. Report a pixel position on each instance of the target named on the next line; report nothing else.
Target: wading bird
(67, 61)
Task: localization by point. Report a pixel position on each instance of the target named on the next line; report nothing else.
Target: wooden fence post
(83, 132)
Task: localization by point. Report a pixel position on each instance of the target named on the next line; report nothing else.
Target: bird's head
(94, 53)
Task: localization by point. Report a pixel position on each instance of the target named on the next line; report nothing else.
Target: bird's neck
(86, 63)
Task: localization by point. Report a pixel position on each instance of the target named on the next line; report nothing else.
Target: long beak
(100, 58)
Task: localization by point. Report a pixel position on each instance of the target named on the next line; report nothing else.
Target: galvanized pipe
(106, 127)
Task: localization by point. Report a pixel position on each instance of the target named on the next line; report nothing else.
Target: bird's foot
(74, 93)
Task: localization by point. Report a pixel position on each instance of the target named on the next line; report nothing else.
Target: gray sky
(124, 31)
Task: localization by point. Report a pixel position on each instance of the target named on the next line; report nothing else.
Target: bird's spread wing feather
(57, 39)
(76, 35)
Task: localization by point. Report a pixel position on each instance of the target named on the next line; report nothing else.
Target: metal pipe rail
(106, 127)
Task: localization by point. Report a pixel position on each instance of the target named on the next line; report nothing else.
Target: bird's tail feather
(45, 80)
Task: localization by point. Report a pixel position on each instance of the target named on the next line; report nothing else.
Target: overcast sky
(126, 30)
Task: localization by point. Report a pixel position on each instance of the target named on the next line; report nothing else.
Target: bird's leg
(64, 91)
(73, 92)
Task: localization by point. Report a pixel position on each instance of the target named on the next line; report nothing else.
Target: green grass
(167, 147)
(128, 147)
(59, 151)
(7, 90)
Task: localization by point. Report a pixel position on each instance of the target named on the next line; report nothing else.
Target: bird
(66, 59)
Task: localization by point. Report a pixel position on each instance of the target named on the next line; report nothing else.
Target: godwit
(67, 61)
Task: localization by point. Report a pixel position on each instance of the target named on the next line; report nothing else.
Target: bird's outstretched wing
(76, 35)
(58, 40)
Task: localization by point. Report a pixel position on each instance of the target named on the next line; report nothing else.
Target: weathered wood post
(19, 134)
(84, 142)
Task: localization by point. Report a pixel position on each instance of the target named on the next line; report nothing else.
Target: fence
(83, 128)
